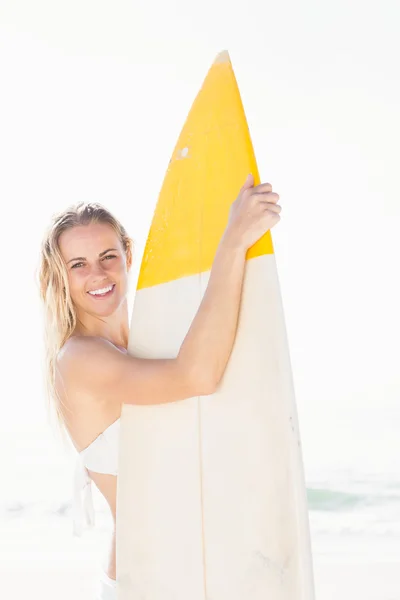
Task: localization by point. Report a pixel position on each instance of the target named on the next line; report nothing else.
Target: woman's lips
(99, 296)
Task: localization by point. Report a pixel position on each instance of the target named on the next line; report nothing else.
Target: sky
(94, 95)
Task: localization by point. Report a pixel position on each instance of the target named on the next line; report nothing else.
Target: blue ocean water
(355, 513)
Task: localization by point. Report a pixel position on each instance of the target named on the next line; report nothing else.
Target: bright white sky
(94, 95)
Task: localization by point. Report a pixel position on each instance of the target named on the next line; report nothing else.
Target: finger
(275, 208)
(248, 183)
(263, 187)
(272, 207)
(272, 197)
(273, 213)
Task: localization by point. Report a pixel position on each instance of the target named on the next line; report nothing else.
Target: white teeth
(102, 291)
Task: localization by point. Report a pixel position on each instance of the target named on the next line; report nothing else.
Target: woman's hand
(252, 214)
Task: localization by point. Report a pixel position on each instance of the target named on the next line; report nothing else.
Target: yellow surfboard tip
(203, 178)
(223, 57)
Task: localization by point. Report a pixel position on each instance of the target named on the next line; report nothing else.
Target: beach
(333, 581)
(354, 524)
(43, 560)
(374, 580)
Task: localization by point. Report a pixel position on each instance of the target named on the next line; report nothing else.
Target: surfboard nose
(210, 161)
(222, 57)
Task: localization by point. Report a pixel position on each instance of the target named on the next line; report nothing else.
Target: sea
(354, 509)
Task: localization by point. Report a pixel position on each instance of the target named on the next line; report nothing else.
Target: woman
(85, 260)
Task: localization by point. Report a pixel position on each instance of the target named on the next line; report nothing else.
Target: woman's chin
(104, 307)
(98, 306)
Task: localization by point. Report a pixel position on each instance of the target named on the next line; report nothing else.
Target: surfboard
(211, 498)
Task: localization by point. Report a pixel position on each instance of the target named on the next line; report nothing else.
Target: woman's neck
(115, 328)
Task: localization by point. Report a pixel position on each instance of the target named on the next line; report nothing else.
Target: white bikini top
(101, 456)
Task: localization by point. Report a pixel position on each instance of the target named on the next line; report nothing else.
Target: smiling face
(95, 260)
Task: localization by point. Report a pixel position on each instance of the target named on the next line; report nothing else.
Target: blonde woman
(85, 261)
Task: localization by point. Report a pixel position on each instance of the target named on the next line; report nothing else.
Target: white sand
(44, 562)
(357, 580)
(333, 581)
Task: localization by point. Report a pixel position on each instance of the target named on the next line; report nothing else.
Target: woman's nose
(97, 270)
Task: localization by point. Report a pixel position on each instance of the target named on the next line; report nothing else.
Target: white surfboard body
(211, 501)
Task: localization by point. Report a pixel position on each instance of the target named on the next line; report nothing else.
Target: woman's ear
(129, 255)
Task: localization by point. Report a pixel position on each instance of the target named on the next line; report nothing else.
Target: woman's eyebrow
(100, 255)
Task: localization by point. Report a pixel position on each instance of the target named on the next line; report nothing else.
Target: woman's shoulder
(77, 344)
(89, 370)
(79, 363)
(87, 355)
(78, 348)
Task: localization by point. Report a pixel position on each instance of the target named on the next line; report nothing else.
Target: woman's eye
(81, 263)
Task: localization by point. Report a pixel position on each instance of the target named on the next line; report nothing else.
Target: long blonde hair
(59, 311)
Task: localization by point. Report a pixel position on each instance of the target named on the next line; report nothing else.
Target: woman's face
(95, 261)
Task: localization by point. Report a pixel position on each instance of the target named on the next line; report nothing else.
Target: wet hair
(59, 311)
